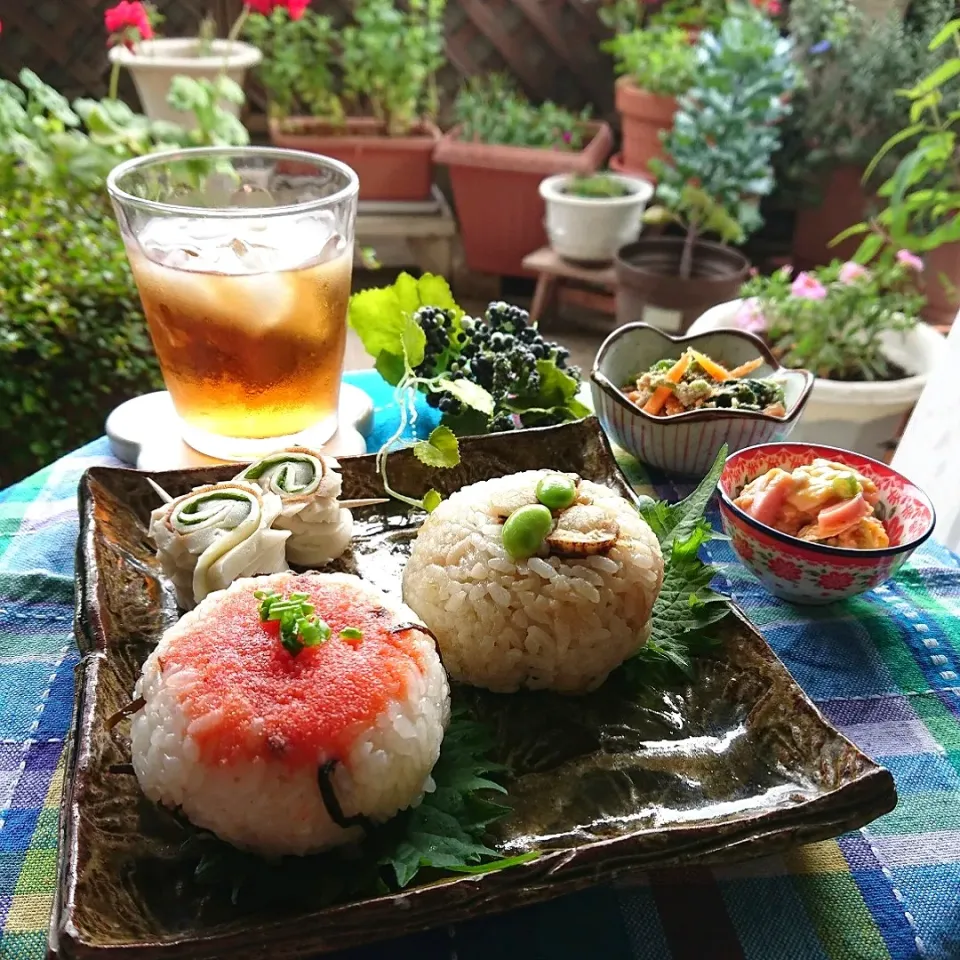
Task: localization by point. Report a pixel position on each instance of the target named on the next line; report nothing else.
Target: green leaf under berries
(440, 449)
(390, 367)
(379, 316)
(467, 423)
(469, 393)
(557, 388)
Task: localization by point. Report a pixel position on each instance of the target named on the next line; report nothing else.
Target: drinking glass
(243, 258)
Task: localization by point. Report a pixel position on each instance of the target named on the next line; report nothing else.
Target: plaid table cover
(882, 668)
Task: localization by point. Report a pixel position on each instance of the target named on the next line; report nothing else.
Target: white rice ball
(550, 622)
(238, 733)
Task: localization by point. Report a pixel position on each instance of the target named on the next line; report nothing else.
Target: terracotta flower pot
(496, 193)
(942, 284)
(389, 168)
(649, 288)
(844, 203)
(643, 116)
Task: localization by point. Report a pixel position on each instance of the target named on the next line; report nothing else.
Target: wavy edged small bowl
(686, 444)
(813, 573)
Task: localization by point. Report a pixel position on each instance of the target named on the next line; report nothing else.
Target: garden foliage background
(550, 46)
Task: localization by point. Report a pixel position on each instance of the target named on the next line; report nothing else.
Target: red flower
(128, 22)
(774, 8)
(743, 548)
(294, 7)
(784, 569)
(835, 580)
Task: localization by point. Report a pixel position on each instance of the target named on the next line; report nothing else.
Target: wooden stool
(408, 234)
(585, 286)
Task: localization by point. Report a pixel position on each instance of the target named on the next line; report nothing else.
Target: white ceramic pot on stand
(592, 229)
(865, 416)
(154, 63)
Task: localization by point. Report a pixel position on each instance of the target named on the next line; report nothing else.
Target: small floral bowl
(686, 444)
(813, 573)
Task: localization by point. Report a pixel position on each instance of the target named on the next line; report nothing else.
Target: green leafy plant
(725, 132)
(922, 196)
(657, 59)
(73, 342)
(624, 16)
(853, 66)
(298, 62)
(381, 64)
(598, 186)
(833, 320)
(71, 148)
(490, 110)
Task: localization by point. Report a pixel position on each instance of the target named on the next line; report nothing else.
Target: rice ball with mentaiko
(285, 711)
(537, 579)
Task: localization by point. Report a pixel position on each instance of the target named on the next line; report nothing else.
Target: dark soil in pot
(649, 287)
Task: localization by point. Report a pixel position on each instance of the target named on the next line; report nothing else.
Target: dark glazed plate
(737, 764)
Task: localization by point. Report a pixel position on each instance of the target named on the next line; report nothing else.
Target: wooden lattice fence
(549, 46)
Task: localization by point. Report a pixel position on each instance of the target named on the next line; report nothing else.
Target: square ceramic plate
(737, 764)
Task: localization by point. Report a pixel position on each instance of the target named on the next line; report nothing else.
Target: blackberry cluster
(438, 327)
(499, 353)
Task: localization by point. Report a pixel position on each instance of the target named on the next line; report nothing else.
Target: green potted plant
(500, 149)
(365, 94)
(717, 166)
(922, 197)
(590, 216)
(845, 109)
(154, 61)
(856, 329)
(654, 65)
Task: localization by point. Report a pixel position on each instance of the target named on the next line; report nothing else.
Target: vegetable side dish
(696, 382)
(823, 502)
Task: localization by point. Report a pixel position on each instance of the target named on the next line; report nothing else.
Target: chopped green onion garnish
(351, 633)
(298, 627)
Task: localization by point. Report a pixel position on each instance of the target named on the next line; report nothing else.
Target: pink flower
(910, 260)
(807, 287)
(774, 8)
(851, 271)
(749, 317)
(784, 569)
(835, 580)
(128, 18)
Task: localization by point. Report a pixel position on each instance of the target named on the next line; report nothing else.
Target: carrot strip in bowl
(655, 404)
(745, 368)
(711, 367)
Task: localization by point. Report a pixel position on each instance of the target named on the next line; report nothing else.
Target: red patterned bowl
(813, 573)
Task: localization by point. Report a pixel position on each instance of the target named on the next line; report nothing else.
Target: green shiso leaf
(678, 521)
(686, 606)
(440, 449)
(445, 832)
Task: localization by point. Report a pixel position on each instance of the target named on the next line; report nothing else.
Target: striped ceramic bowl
(686, 444)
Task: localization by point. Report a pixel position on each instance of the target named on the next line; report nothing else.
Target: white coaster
(145, 431)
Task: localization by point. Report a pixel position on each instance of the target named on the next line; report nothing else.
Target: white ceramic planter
(592, 229)
(863, 417)
(154, 63)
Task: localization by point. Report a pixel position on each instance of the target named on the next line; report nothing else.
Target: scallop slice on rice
(562, 619)
(290, 753)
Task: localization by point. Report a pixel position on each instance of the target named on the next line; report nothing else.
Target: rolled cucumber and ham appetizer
(822, 502)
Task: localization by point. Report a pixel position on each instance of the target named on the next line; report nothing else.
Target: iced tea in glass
(243, 259)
